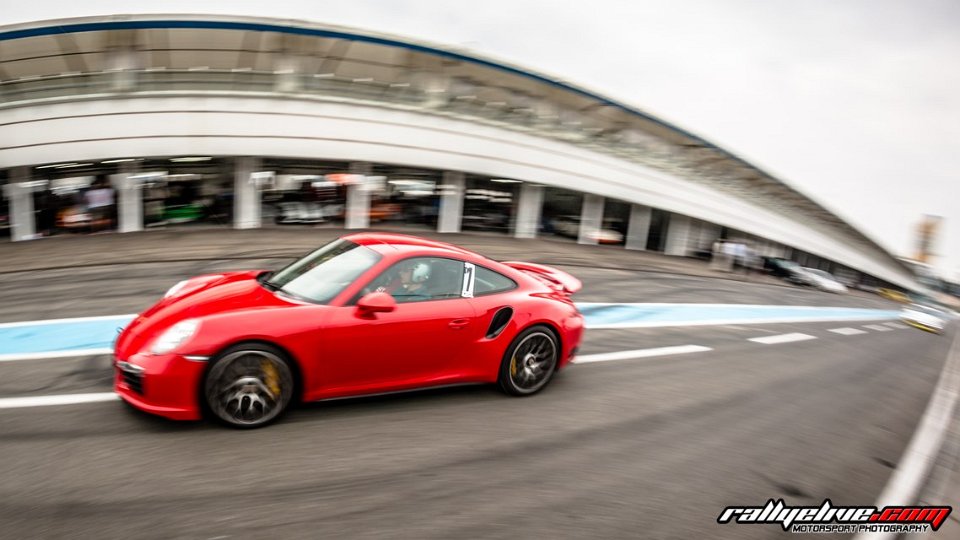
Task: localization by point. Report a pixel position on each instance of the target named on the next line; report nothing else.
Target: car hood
(202, 296)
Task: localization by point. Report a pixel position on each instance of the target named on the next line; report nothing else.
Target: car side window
(490, 282)
(420, 279)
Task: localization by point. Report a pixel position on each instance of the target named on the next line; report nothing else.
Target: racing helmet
(420, 272)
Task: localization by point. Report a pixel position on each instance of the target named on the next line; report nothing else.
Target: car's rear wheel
(249, 385)
(529, 362)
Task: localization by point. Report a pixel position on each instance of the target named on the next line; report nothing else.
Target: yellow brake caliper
(513, 366)
(270, 377)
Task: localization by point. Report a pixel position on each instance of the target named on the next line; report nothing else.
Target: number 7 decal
(468, 272)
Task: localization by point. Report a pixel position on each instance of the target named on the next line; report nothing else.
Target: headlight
(176, 336)
(175, 289)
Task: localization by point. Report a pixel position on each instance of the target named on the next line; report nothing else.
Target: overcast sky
(855, 103)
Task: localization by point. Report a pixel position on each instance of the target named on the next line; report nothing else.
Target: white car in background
(924, 317)
(825, 281)
(569, 226)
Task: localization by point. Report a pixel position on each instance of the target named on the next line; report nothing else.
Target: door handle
(457, 324)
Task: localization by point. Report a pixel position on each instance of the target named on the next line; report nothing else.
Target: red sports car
(365, 314)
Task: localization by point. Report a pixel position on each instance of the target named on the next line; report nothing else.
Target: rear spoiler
(556, 279)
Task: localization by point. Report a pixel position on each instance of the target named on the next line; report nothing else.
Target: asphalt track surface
(644, 448)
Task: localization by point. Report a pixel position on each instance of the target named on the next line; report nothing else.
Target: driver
(410, 283)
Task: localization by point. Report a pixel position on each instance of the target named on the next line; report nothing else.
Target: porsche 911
(368, 313)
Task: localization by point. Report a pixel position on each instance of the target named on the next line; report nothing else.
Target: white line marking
(76, 399)
(53, 354)
(641, 324)
(847, 331)
(713, 322)
(906, 481)
(877, 327)
(63, 399)
(639, 353)
(782, 338)
(59, 321)
(896, 325)
(671, 304)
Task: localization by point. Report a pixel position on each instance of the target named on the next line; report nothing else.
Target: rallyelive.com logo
(830, 519)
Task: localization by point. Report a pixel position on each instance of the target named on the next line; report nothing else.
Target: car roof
(406, 242)
(398, 246)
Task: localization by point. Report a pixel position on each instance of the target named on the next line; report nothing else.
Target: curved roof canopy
(35, 53)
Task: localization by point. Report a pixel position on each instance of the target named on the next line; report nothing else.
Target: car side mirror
(376, 302)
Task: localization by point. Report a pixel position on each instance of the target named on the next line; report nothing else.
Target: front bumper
(165, 385)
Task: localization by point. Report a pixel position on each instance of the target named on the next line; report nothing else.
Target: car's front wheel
(529, 362)
(248, 385)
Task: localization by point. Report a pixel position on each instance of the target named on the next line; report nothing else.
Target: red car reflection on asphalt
(365, 314)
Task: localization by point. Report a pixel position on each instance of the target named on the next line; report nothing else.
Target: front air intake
(499, 322)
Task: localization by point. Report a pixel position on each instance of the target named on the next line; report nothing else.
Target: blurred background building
(128, 123)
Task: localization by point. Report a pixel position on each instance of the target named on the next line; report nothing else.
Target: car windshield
(325, 273)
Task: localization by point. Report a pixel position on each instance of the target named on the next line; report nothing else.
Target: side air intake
(499, 322)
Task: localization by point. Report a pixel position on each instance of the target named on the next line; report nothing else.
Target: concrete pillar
(639, 227)
(129, 198)
(246, 194)
(528, 211)
(19, 191)
(693, 234)
(358, 198)
(451, 202)
(709, 233)
(766, 249)
(678, 235)
(591, 218)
